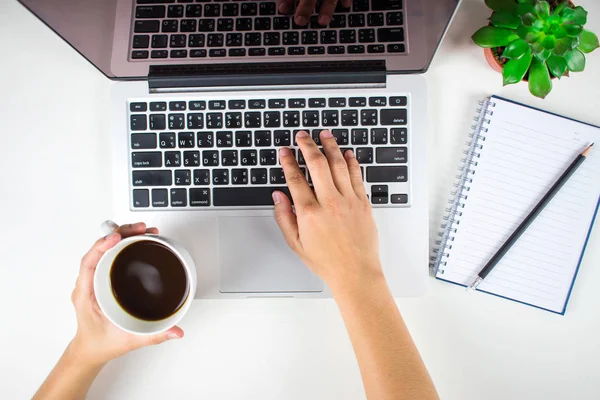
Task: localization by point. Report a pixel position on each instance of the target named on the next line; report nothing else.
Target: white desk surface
(53, 152)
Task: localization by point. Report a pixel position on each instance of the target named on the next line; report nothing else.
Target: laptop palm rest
(254, 258)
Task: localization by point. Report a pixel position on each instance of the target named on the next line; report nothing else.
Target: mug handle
(108, 227)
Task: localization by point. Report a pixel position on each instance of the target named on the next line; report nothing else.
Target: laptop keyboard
(208, 154)
(184, 29)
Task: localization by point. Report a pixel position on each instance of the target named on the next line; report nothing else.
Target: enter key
(391, 155)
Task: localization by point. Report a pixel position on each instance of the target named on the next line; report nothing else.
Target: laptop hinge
(267, 76)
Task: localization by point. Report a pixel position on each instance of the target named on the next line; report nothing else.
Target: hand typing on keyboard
(305, 9)
(333, 230)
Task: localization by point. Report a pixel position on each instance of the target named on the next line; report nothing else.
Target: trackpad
(254, 258)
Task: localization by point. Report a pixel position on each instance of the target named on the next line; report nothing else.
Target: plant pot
(492, 61)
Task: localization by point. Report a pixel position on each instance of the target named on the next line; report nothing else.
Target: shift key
(387, 174)
(397, 116)
(152, 178)
(390, 35)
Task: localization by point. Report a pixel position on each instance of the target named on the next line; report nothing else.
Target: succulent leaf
(514, 71)
(503, 19)
(575, 60)
(540, 83)
(501, 5)
(491, 36)
(588, 41)
(516, 49)
(557, 66)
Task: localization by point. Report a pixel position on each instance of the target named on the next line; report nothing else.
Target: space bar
(246, 196)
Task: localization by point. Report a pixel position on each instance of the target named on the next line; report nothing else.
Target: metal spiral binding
(457, 202)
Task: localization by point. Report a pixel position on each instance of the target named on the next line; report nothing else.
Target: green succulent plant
(538, 38)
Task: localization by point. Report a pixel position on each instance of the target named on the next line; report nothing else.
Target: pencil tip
(586, 152)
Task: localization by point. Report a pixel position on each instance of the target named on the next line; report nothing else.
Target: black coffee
(149, 281)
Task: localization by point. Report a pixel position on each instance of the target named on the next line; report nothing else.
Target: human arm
(305, 9)
(97, 340)
(334, 233)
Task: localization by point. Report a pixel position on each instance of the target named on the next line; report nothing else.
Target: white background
(55, 189)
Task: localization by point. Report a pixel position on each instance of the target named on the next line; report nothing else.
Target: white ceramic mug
(107, 301)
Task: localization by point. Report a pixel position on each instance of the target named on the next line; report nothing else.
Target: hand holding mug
(97, 340)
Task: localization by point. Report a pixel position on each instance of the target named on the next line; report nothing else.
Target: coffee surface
(149, 281)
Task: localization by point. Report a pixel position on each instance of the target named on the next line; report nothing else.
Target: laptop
(204, 95)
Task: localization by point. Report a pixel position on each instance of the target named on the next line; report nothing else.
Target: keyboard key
(195, 121)
(272, 39)
(236, 104)
(337, 102)
(396, 48)
(398, 101)
(146, 159)
(199, 197)
(394, 116)
(210, 158)
(296, 103)
(216, 105)
(141, 41)
(262, 24)
(212, 10)
(229, 158)
(398, 136)
(387, 174)
(376, 48)
(256, 52)
(158, 106)
(348, 36)
(149, 12)
(375, 19)
(141, 198)
(176, 121)
(215, 40)
(178, 197)
(316, 103)
(366, 35)
(391, 155)
(177, 41)
(161, 177)
(179, 53)
(393, 18)
(191, 158)
(225, 139)
(193, 11)
(310, 37)
(139, 54)
(356, 20)
(233, 120)
(390, 34)
(158, 122)
(239, 176)
(206, 25)
(258, 176)
(172, 159)
(243, 138)
(316, 136)
(167, 140)
(249, 157)
(183, 177)
(205, 139)
(356, 49)
(201, 177)
(316, 50)
(214, 120)
(143, 141)
(159, 54)
(328, 37)
(267, 8)
(170, 25)
(290, 38)
(146, 26)
(252, 119)
(310, 118)
(185, 139)
(217, 52)
(252, 39)
(377, 101)
(187, 25)
(358, 101)
(197, 40)
(177, 106)
(246, 196)
(197, 105)
(262, 138)
(243, 24)
(296, 51)
(230, 10)
(138, 107)
(291, 119)
(175, 11)
(234, 39)
(340, 136)
(380, 5)
(281, 138)
(277, 177)
(257, 104)
(336, 49)
(368, 117)
(338, 21)
(360, 5)
(225, 24)
(220, 177)
(138, 122)
(360, 136)
(268, 157)
(281, 23)
(399, 199)
(364, 155)
(272, 119)
(276, 103)
(330, 118)
(160, 41)
(160, 197)
(276, 51)
(249, 9)
(379, 136)
(349, 117)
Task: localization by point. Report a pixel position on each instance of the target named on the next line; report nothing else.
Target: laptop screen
(123, 38)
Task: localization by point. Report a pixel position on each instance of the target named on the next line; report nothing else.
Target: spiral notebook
(516, 154)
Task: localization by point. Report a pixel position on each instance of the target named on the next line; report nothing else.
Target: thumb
(172, 333)
(286, 219)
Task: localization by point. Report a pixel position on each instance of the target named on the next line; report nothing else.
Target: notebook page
(524, 153)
